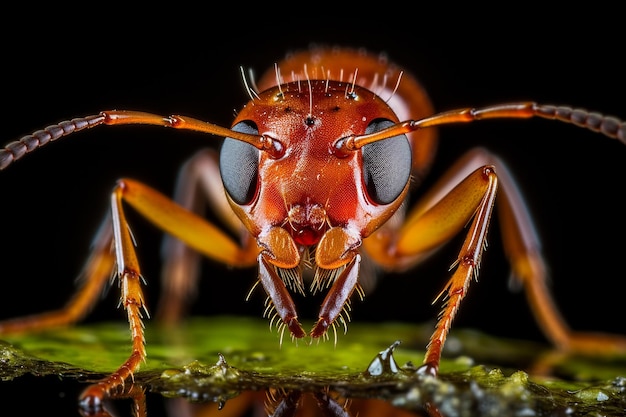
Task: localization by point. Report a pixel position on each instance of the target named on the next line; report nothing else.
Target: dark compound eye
(386, 164)
(239, 165)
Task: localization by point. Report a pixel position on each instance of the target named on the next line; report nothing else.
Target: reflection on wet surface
(204, 400)
(273, 402)
(254, 378)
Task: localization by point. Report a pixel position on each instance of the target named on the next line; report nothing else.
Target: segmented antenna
(17, 149)
(607, 125)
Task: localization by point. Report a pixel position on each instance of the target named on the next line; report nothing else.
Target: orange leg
(459, 196)
(198, 185)
(183, 224)
(523, 249)
(442, 214)
(484, 182)
(95, 275)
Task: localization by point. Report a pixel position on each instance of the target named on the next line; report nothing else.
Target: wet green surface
(215, 359)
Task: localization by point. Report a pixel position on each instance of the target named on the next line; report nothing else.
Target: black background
(64, 65)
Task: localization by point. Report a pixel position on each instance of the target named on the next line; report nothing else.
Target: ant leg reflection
(323, 401)
(134, 392)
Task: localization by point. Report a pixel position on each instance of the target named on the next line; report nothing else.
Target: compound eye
(239, 165)
(386, 164)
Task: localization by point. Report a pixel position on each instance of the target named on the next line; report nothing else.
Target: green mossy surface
(218, 358)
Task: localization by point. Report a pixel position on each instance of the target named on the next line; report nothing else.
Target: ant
(314, 175)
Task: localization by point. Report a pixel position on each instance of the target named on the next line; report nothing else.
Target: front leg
(190, 228)
(443, 212)
(482, 183)
(522, 247)
(433, 222)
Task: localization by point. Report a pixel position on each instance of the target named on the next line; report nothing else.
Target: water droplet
(384, 363)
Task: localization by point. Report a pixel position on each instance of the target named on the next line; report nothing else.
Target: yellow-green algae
(216, 358)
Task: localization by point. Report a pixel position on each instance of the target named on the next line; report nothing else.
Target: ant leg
(198, 185)
(523, 249)
(97, 271)
(190, 228)
(441, 215)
